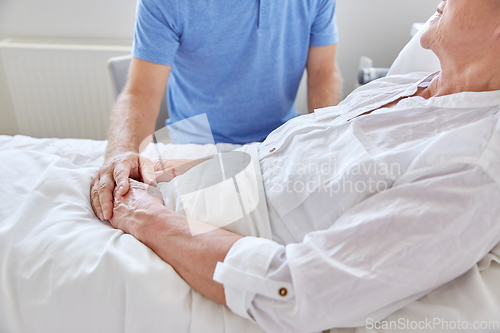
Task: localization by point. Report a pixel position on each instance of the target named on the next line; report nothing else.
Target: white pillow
(414, 58)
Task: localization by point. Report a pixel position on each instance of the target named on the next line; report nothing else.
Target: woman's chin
(427, 37)
(423, 42)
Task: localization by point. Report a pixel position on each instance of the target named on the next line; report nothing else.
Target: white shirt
(356, 251)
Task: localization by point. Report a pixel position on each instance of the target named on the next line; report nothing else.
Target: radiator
(59, 87)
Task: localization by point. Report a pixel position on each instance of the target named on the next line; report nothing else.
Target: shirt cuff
(148, 55)
(320, 39)
(244, 272)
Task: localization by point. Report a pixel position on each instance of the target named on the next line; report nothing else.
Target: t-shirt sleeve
(324, 27)
(156, 37)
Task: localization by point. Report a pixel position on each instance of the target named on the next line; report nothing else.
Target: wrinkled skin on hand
(113, 177)
(137, 208)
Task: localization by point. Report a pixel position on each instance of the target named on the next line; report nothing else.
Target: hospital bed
(61, 270)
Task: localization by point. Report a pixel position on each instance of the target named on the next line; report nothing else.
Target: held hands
(113, 178)
(114, 174)
(137, 208)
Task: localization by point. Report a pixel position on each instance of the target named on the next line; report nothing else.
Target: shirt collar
(459, 100)
(466, 99)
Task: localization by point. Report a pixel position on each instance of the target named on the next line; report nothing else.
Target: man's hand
(114, 174)
(133, 119)
(140, 205)
(167, 170)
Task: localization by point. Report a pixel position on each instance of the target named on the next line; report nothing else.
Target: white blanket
(62, 270)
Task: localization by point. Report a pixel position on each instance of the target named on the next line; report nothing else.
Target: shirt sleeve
(157, 31)
(324, 27)
(382, 254)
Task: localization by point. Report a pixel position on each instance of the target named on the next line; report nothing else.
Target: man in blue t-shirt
(240, 63)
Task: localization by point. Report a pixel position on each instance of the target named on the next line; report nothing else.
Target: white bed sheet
(61, 270)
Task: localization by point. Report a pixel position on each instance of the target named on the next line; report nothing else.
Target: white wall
(377, 29)
(67, 18)
(374, 28)
(8, 125)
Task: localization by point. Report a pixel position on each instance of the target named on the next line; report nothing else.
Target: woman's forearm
(193, 257)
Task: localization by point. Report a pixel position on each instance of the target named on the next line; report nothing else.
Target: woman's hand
(137, 208)
(113, 177)
(141, 213)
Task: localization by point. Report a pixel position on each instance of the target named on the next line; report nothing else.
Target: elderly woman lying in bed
(403, 196)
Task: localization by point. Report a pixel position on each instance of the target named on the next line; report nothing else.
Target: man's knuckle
(106, 166)
(103, 187)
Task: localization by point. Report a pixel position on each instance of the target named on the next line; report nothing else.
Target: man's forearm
(134, 115)
(193, 257)
(132, 120)
(323, 89)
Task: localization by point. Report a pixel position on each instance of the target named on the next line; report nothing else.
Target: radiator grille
(60, 87)
(67, 42)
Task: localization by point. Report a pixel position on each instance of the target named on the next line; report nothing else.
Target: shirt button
(283, 292)
(272, 150)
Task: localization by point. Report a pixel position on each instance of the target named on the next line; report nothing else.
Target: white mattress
(62, 270)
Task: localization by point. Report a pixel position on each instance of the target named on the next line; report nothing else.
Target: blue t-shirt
(238, 62)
